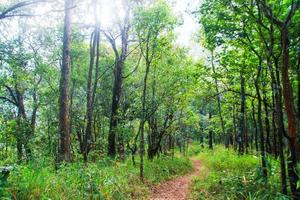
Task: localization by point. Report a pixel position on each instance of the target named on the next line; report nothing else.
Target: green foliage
(165, 168)
(105, 179)
(227, 175)
(194, 150)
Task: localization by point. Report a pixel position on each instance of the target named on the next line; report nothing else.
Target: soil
(177, 188)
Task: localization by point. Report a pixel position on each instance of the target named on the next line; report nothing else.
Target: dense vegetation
(227, 175)
(104, 179)
(99, 100)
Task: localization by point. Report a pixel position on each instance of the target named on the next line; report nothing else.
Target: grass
(105, 179)
(227, 175)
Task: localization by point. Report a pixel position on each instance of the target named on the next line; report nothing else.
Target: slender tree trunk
(246, 138)
(298, 80)
(114, 110)
(259, 119)
(96, 77)
(267, 125)
(210, 134)
(266, 109)
(242, 116)
(91, 90)
(275, 94)
(64, 153)
(117, 89)
(89, 107)
(24, 132)
(153, 133)
(274, 128)
(234, 127)
(34, 112)
(298, 105)
(226, 141)
(19, 149)
(280, 123)
(278, 114)
(72, 91)
(142, 148)
(255, 127)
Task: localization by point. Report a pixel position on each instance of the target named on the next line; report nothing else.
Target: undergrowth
(227, 175)
(105, 179)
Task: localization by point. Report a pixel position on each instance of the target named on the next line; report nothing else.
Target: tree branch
(8, 100)
(7, 11)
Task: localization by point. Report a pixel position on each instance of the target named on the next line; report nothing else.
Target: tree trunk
(226, 141)
(91, 90)
(89, 106)
(34, 112)
(242, 116)
(259, 120)
(235, 139)
(267, 125)
(24, 131)
(117, 88)
(114, 109)
(143, 121)
(298, 105)
(19, 149)
(274, 128)
(280, 123)
(291, 117)
(210, 134)
(64, 153)
(255, 127)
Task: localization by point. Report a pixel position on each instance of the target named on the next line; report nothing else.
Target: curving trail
(178, 188)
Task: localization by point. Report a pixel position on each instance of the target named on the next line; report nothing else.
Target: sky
(185, 33)
(190, 27)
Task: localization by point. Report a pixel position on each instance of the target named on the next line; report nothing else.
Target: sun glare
(108, 12)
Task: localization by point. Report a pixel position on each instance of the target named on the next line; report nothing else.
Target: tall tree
(91, 88)
(120, 58)
(64, 152)
(149, 23)
(287, 91)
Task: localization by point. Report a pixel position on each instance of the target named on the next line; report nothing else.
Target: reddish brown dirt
(178, 188)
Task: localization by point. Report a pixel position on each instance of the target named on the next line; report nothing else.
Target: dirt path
(176, 189)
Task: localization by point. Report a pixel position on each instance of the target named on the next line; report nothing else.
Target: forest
(150, 99)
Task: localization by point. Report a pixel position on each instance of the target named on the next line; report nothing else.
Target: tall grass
(105, 179)
(227, 175)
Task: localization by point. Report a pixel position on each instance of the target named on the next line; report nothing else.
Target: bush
(194, 149)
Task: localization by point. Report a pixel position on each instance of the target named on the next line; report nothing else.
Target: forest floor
(177, 188)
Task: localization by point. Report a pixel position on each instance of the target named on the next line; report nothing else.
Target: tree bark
(280, 123)
(267, 125)
(210, 134)
(226, 141)
(91, 90)
(259, 120)
(287, 90)
(64, 152)
(24, 131)
(142, 148)
(117, 88)
(234, 127)
(255, 127)
(289, 108)
(242, 116)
